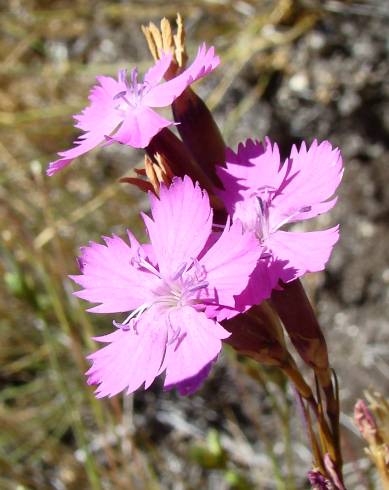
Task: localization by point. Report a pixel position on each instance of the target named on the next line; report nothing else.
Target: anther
(140, 262)
(120, 95)
(125, 325)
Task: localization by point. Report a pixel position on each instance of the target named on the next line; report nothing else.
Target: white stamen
(289, 218)
(179, 290)
(140, 262)
(135, 314)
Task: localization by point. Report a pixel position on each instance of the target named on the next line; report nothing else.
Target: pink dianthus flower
(177, 288)
(265, 195)
(121, 110)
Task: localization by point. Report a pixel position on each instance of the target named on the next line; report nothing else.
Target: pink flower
(177, 289)
(121, 110)
(266, 195)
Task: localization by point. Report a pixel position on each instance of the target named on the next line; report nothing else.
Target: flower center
(254, 216)
(132, 96)
(183, 288)
(258, 214)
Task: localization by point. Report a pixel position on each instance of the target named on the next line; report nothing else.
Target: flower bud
(298, 317)
(199, 133)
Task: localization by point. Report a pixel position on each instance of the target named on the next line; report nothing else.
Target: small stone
(299, 82)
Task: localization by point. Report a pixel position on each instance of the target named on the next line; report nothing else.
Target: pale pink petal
(154, 74)
(194, 342)
(283, 214)
(220, 312)
(97, 120)
(135, 246)
(108, 277)
(144, 250)
(302, 252)
(139, 127)
(205, 61)
(229, 263)
(181, 224)
(254, 168)
(101, 99)
(133, 357)
(83, 144)
(164, 94)
(313, 178)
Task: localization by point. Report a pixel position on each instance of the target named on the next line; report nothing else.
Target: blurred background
(290, 70)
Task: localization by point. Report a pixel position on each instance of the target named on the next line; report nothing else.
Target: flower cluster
(177, 290)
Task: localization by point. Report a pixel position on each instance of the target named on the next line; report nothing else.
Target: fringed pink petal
(314, 175)
(132, 358)
(163, 95)
(110, 278)
(262, 281)
(253, 168)
(302, 252)
(229, 263)
(139, 127)
(98, 120)
(194, 342)
(180, 225)
(155, 74)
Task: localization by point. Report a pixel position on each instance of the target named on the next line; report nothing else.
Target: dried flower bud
(197, 126)
(158, 171)
(172, 150)
(139, 182)
(164, 41)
